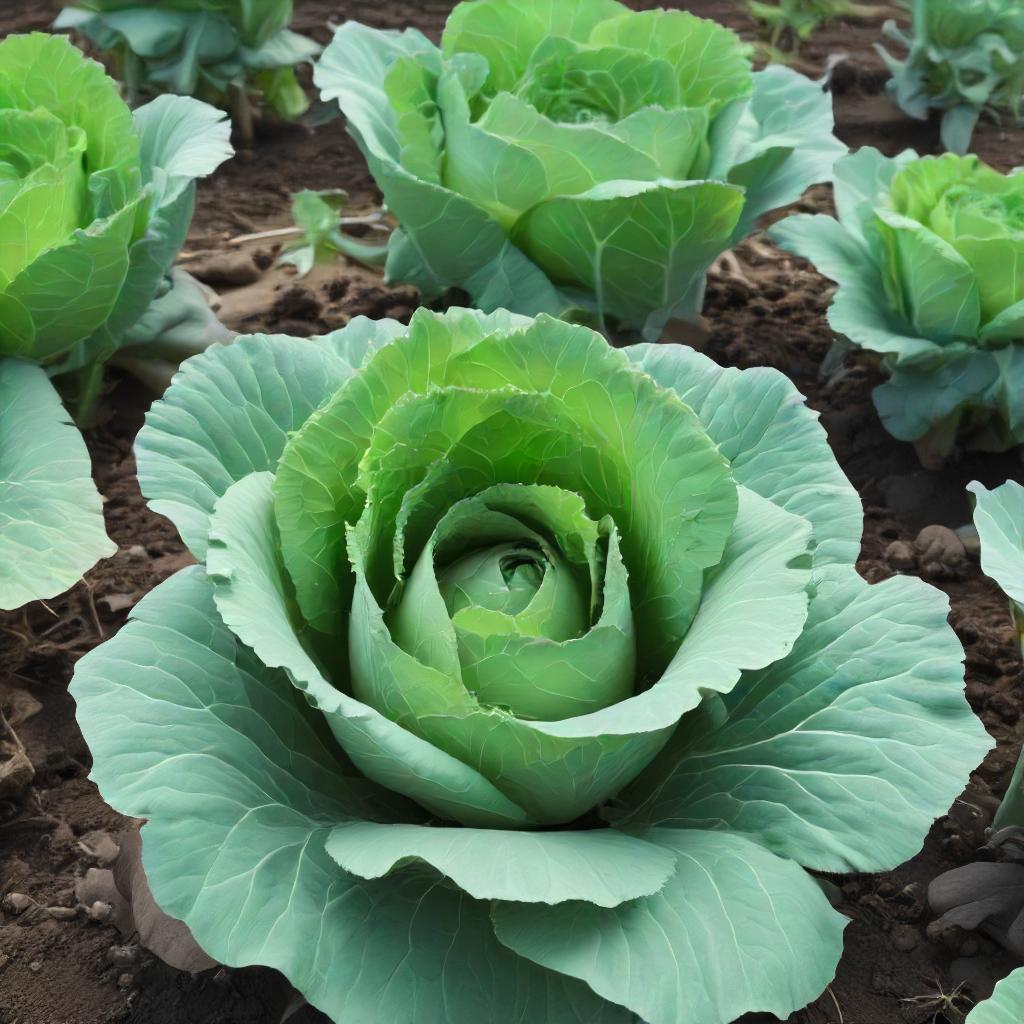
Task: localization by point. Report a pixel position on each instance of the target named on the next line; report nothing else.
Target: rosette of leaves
(574, 157)
(964, 58)
(520, 677)
(95, 203)
(927, 255)
(217, 50)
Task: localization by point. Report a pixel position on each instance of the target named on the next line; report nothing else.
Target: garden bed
(763, 310)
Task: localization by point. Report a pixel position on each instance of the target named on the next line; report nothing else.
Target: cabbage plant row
(520, 678)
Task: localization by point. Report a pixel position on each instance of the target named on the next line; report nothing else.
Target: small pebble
(36, 966)
(900, 555)
(904, 938)
(17, 903)
(940, 553)
(231, 270)
(99, 912)
(123, 954)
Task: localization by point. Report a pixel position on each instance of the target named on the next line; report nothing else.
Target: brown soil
(64, 969)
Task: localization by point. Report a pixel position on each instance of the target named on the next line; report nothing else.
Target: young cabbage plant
(216, 50)
(927, 255)
(520, 678)
(574, 157)
(319, 218)
(989, 894)
(95, 203)
(802, 18)
(965, 58)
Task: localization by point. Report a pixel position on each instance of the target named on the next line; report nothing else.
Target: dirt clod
(940, 553)
(17, 903)
(227, 270)
(901, 556)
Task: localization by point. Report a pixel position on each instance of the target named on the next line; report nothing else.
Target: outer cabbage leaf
(230, 414)
(1006, 1005)
(737, 927)
(999, 518)
(51, 517)
(780, 451)
(748, 764)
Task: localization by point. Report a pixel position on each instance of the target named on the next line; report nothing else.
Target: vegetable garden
(552, 552)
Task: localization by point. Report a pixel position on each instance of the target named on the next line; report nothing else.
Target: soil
(57, 966)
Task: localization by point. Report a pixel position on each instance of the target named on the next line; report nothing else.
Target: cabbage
(95, 203)
(574, 157)
(965, 58)
(927, 252)
(205, 48)
(520, 678)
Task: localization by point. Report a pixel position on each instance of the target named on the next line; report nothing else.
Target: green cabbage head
(95, 203)
(520, 677)
(927, 253)
(574, 157)
(201, 48)
(965, 58)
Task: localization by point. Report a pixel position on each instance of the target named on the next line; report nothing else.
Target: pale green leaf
(938, 286)
(1006, 1005)
(999, 518)
(841, 755)
(835, 250)
(914, 399)
(230, 411)
(70, 291)
(641, 249)
(773, 441)
(180, 140)
(51, 517)
(783, 144)
(712, 64)
(604, 867)
(1007, 326)
(860, 179)
(40, 70)
(735, 929)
